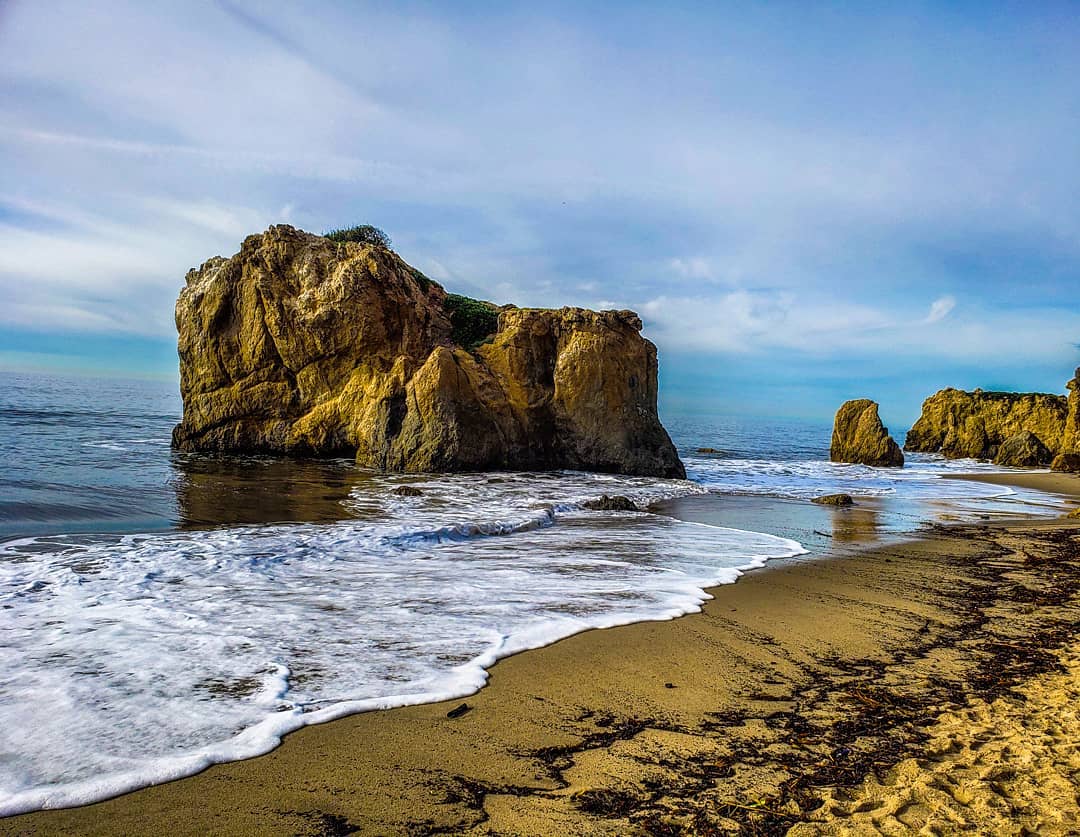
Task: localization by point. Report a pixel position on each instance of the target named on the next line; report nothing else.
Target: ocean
(160, 612)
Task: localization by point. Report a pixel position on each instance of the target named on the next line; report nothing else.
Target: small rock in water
(709, 450)
(407, 491)
(616, 502)
(458, 711)
(834, 500)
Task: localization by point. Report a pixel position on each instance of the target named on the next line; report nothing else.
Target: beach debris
(615, 502)
(458, 710)
(407, 491)
(670, 686)
(607, 802)
(834, 500)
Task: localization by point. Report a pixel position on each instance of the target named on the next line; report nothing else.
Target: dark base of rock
(606, 503)
(1067, 462)
(834, 500)
(1023, 450)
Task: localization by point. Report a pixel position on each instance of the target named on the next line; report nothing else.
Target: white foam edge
(466, 679)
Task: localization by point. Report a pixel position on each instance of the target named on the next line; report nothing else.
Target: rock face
(1068, 458)
(859, 436)
(1067, 462)
(301, 345)
(1024, 450)
(976, 424)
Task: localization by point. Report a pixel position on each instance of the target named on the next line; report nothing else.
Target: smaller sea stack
(859, 436)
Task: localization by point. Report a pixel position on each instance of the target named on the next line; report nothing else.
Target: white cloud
(940, 309)
(692, 268)
(783, 322)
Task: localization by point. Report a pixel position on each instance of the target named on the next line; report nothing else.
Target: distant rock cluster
(1010, 428)
(1013, 429)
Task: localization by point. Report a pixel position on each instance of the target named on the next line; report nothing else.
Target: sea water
(162, 612)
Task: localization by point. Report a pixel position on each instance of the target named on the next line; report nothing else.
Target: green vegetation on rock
(362, 234)
(472, 321)
(423, 281)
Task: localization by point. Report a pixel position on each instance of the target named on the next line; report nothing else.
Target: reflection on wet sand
(211, 490)
(818, 528)
(860, 524)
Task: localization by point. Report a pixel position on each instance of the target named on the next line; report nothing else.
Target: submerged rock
(613, 503)
(834, 500)
(709, 450)
(1023, 450)
(302, 345)
(407, 491)
(860, 437)
(976, 424)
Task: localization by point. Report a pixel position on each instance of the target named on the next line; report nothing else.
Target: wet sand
(930, 684)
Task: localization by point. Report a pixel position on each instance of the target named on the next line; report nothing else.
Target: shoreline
(634, 729)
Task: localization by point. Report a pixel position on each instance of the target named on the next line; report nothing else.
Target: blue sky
(805, 202)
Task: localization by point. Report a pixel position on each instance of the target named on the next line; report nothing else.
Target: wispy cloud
(940, 308)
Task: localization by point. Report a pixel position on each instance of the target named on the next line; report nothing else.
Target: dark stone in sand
(458, 711)
(834, 500)
(616, 502)
(407, 491)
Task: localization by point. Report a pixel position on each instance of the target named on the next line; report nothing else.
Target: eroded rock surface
(1023, 450)
(860, 437)
(301, 345)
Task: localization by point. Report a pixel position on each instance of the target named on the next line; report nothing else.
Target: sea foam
(137, 659)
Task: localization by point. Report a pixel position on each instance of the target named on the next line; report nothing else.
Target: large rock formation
(859, 436)
(976, 424)
(1068, 458)
(301, 345)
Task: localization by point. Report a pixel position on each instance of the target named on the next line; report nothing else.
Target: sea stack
(302, 345)
(860, 437)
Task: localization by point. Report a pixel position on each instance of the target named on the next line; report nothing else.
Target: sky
(806, 202)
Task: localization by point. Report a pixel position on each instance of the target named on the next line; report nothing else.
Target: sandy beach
(931, 684)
